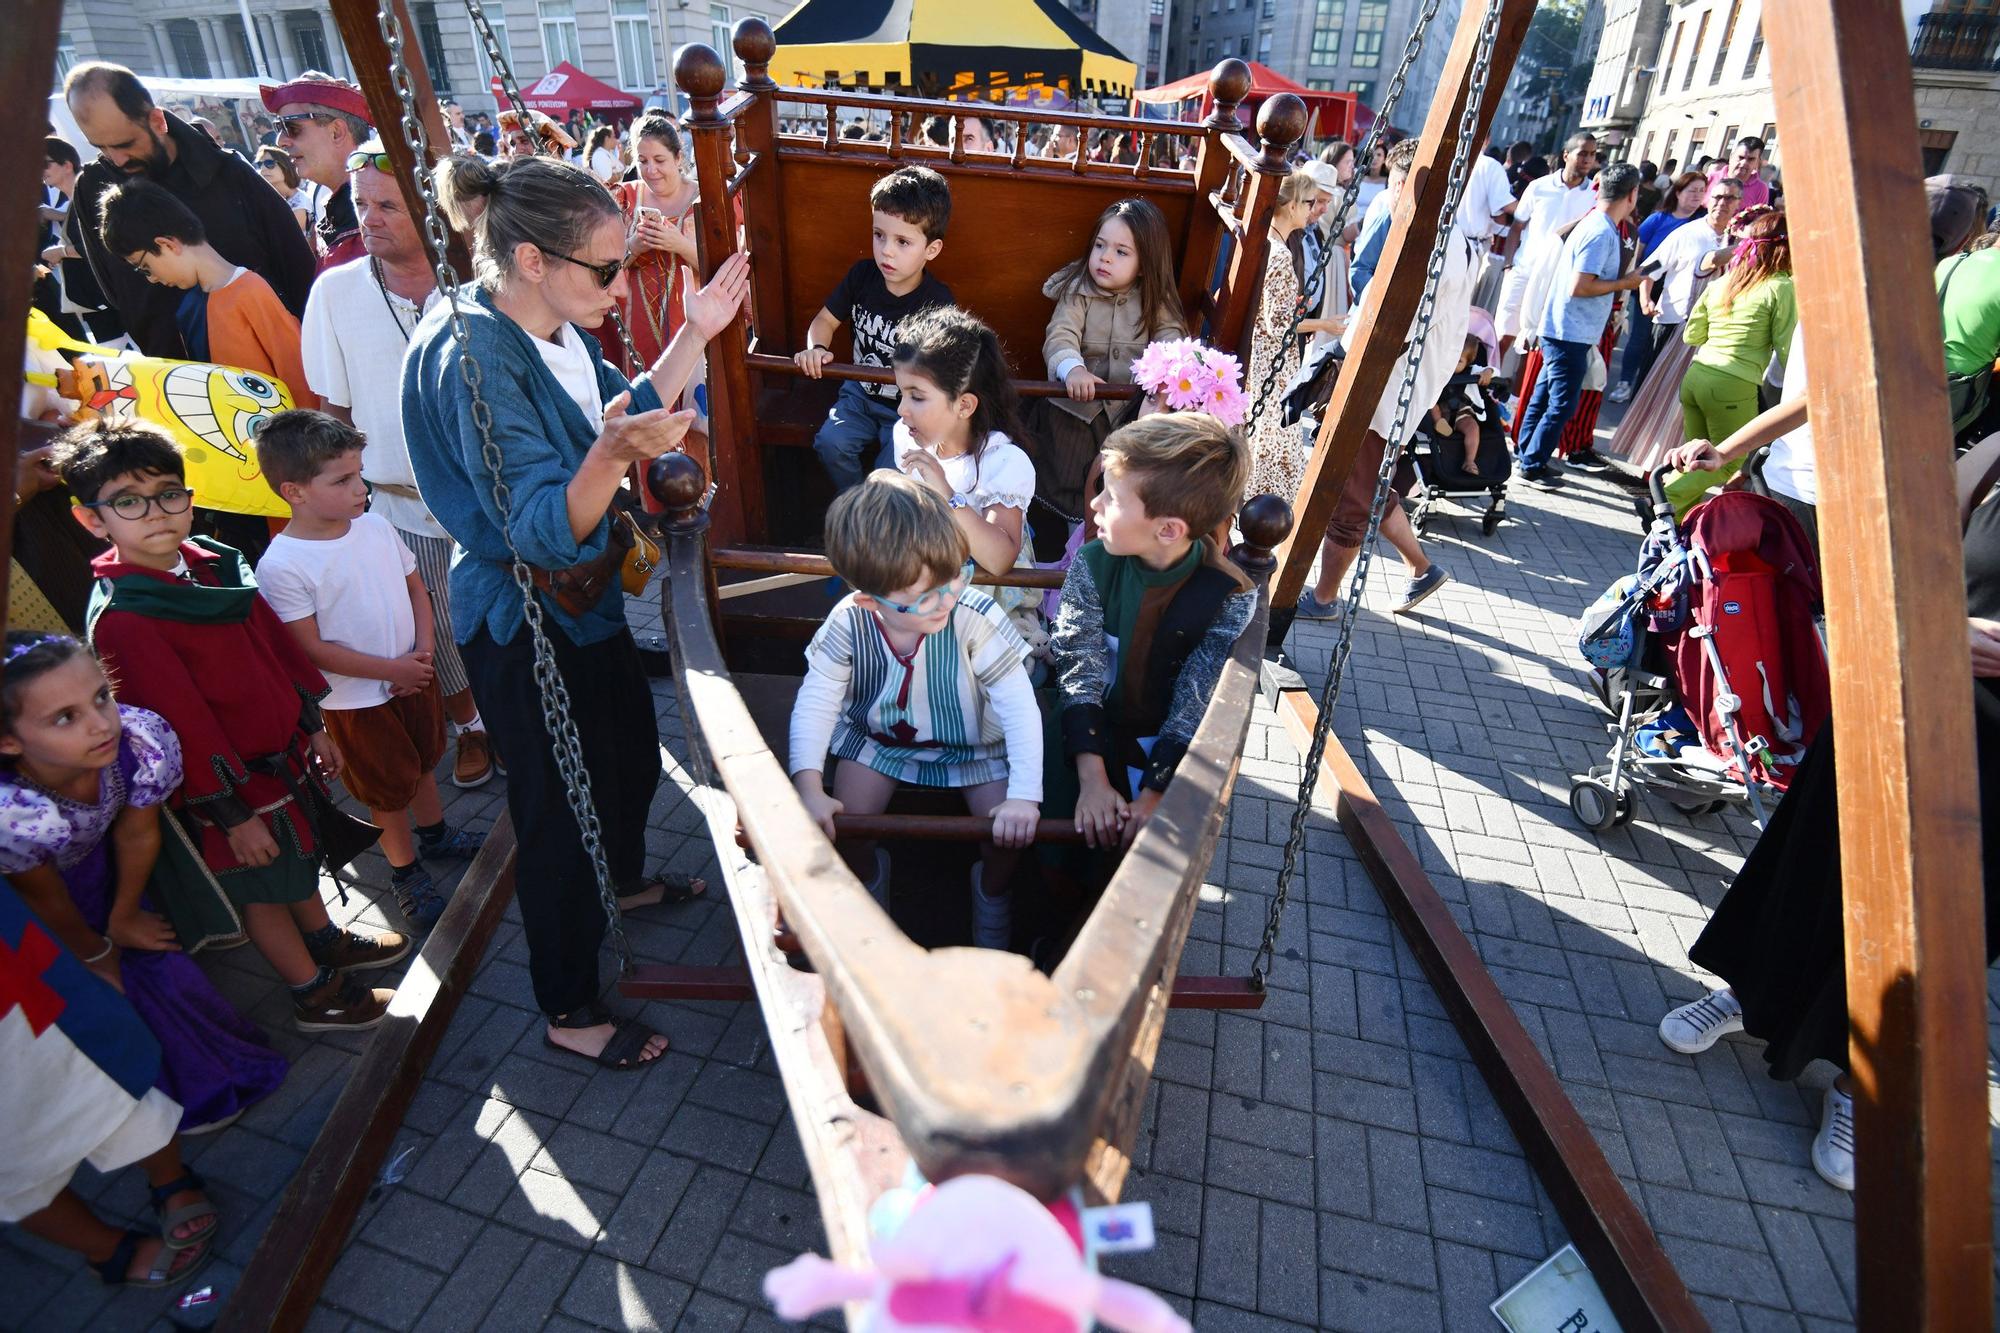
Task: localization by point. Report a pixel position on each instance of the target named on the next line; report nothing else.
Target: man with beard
(358, 322)
(245, 219)
(321, 122)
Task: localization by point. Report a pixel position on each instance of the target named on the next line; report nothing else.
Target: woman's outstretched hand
(628, 438)
(716, 305)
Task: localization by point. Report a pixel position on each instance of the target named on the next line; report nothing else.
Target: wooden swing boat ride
(963, 1060)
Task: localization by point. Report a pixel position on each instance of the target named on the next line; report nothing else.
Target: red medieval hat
(320, 93)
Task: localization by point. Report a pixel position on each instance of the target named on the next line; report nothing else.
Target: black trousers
(612, 706)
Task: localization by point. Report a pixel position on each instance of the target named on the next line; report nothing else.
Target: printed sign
(1559, 1297)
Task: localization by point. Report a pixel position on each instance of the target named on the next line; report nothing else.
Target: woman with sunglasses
(563, 427)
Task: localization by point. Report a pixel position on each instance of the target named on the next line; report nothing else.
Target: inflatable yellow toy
(213, 412)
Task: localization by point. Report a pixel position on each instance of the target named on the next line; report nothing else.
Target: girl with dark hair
(602, 155)
(957, 421)
(1110, 304)
(659, 217)
(82, 780)
(563, 428)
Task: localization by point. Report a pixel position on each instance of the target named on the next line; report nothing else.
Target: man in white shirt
(358, 321)
(1685, 256)
(1485, 211)
(1548, 207)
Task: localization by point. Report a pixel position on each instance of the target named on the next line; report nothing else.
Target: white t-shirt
(1790, 467)
(1677, 256)
(352, 339)
(604, 164)
(1002, 474)
(358, 587)
(1547, 206)
(576, 371)
(1486, 193)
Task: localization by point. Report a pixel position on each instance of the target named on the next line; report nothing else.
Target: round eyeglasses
(173, 500)
(935, 598)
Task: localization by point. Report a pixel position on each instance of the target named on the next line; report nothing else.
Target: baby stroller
(1724, 606)
(1433, 478)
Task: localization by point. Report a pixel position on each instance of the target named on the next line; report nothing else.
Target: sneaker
(417, 896)
(1588, 459)
(451, 845)
(474, 765)
(1311, 608)
(992, 918)
(1693, 1028)
(1620, 393)
(1545, 477)
(1833, 1146)
(1422, 586)
(341, 1005)
(351, 952)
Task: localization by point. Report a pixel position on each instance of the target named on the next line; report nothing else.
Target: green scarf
(169, 598)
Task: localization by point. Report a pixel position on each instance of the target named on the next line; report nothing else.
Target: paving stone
(634, 1228)
(1229, 1248)
(609, 1294)
(380, 1286)
(698, 1223)
(1359, 1304)
(560, 1210)
(1396, 1175)
(1268, 1173)
(1373, 1250)
(717, 1137)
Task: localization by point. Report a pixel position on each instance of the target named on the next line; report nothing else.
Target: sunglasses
(174, 500)
(606, 274)
(933, 599)
(290, 124)
(380, 161)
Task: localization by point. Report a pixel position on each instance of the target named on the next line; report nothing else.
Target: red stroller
(1731, 615)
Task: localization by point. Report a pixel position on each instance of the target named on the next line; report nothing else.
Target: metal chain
(1350, 610)
(561, 727)
(1349, 193)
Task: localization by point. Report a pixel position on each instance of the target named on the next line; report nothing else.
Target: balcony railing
(1957, 41)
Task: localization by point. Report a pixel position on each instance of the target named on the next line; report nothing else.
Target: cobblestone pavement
(1332, 1160)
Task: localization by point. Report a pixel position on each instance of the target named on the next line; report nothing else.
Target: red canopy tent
(565, 89)
(1337, 115)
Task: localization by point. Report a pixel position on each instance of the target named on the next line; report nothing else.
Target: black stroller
(1427, 478)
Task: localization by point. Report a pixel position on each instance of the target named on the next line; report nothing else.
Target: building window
(1646, 153)
(1264, 46)
(1373, 17)
(558, 19)
(1668, 154)
(1270, 9)
(1329, 16)
(1722, 49)
(1694, 56)
(496, 19)
(65, 54)
(308, 39)
(1936, 145)
(1673, 54)
(1727, 143)
(722, 31)
(1363, 89)
(1770, 138)
(632, 34)
(1756, 49)
(1696, 138)
(431, 37)
(1210, 49)
(1320, 85)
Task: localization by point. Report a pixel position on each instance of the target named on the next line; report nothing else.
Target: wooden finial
(1281, 123)
(1266, 521)
(700, 73)
(1228, 84)
(679, 483)
(755, 45)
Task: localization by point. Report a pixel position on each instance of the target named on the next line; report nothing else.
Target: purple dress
(214, 1063)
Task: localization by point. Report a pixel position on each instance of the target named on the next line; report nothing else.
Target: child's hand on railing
(1081, 384)
(1139, 812)
(813, 360)
(1014, 823)
(1100, 812)
(820, 806)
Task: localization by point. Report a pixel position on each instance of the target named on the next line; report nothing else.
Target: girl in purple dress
(81, 783)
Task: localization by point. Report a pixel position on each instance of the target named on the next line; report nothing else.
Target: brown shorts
(1349, 523)
(387, 751)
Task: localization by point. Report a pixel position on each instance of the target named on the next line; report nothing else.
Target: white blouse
(1001, 475)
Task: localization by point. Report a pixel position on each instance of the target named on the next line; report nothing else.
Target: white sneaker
(1693, 1028)
(1833, 1146)
(992, 918)
(1620, 393)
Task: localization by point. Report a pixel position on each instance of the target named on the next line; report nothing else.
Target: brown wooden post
(25, 63)
(734, 464)
(1382, 323)
(1908, 789)
(369, 54)
(762, 196)
(1228, 84)
(1280, 122)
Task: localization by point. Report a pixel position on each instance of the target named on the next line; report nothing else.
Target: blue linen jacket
(542, 436)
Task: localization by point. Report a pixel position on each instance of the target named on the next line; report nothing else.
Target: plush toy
(1029, 621)
(973, 1253)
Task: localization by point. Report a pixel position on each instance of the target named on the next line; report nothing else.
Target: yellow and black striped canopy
(939, 46)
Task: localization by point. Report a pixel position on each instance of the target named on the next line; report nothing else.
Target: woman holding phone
(659, 221)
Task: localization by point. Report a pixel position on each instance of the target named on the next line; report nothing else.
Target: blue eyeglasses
(933, 599)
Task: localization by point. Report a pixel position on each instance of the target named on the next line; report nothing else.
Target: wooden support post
(369, 54)
(738, 510)
(762, 198)
(1908, 789)
(25, 62)
(1228, 84)
(1382, 323)
(1280, 123)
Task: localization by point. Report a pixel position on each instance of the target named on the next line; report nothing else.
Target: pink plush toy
(975, 1253)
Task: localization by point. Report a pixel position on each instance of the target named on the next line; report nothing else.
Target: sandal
(170, 1267)
(171, 1222)
(628, 1038)
(675, 888)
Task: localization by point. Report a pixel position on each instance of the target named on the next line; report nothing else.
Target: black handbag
(338, 837)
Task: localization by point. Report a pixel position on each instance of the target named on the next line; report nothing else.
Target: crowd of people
(167, 750)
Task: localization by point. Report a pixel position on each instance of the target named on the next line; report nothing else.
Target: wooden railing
(982, 1063)
(846, 370)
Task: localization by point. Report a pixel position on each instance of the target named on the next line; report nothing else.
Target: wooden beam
(1382, 323)
(1902, 689)
(25, 62)
(281, 1285)
(361, 34)
(1610, 1232)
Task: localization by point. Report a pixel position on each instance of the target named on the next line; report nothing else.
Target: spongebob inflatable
(213, 412)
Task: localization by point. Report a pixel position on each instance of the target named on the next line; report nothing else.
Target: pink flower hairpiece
(1188, 376)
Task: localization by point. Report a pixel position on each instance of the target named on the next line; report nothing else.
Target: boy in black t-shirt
(911, 207)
